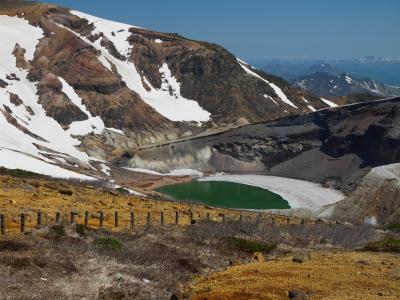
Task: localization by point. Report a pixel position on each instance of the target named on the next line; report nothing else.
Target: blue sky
(263, 29)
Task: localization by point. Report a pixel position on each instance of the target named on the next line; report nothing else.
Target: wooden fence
(116, 221)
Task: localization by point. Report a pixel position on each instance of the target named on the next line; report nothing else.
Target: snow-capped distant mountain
(75, 89)
(325, 84)
(385, 70)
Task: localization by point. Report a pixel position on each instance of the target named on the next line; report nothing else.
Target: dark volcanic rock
(14, 99)
(3, 84)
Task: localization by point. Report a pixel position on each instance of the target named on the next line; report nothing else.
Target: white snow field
(299, 193)
(172, 106)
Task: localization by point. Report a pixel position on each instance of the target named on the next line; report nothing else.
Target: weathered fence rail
(115, 220)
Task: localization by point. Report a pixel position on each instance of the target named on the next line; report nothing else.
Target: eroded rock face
(56, 103)
(19, 54)
(376, 201)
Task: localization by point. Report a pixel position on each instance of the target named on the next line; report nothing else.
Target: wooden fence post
(101, 219)
(208, 216)
(162, 218)
(191, 218)
(241, 219)
(132, 219)
(39, 219)
(148, 218)
(2, 225)
(22, 223)
(273, 221)
(287, 221)
(223, 218)
(177, 218)
(116, 219)
(58, 217)
(73, 215)
(86, 221)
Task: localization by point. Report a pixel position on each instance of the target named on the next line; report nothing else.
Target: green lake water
(225, 194)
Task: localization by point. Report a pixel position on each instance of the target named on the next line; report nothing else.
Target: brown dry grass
(328, 275)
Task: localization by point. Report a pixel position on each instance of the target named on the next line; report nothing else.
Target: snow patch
(105, 169)
(176, 172)
(119, 131)
(311, 108)
(329, 103)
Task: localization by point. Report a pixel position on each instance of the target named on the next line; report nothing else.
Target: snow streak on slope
(171, 105)
(276, 88)
(18, 148)
(308, 105)
(330, 103)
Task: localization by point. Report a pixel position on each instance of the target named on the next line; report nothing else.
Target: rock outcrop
(376, 201)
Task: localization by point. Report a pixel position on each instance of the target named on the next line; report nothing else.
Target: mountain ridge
(107, 87)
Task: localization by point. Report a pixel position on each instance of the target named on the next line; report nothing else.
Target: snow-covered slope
(47, 139)
(166, 100)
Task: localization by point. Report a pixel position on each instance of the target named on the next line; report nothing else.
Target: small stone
(299, 295)
(301, 257)
(257, 257)
(395, 274)
(234, 262)
(362, 262)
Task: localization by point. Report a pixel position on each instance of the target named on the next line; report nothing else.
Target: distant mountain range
(326, 84)
(385, 70)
